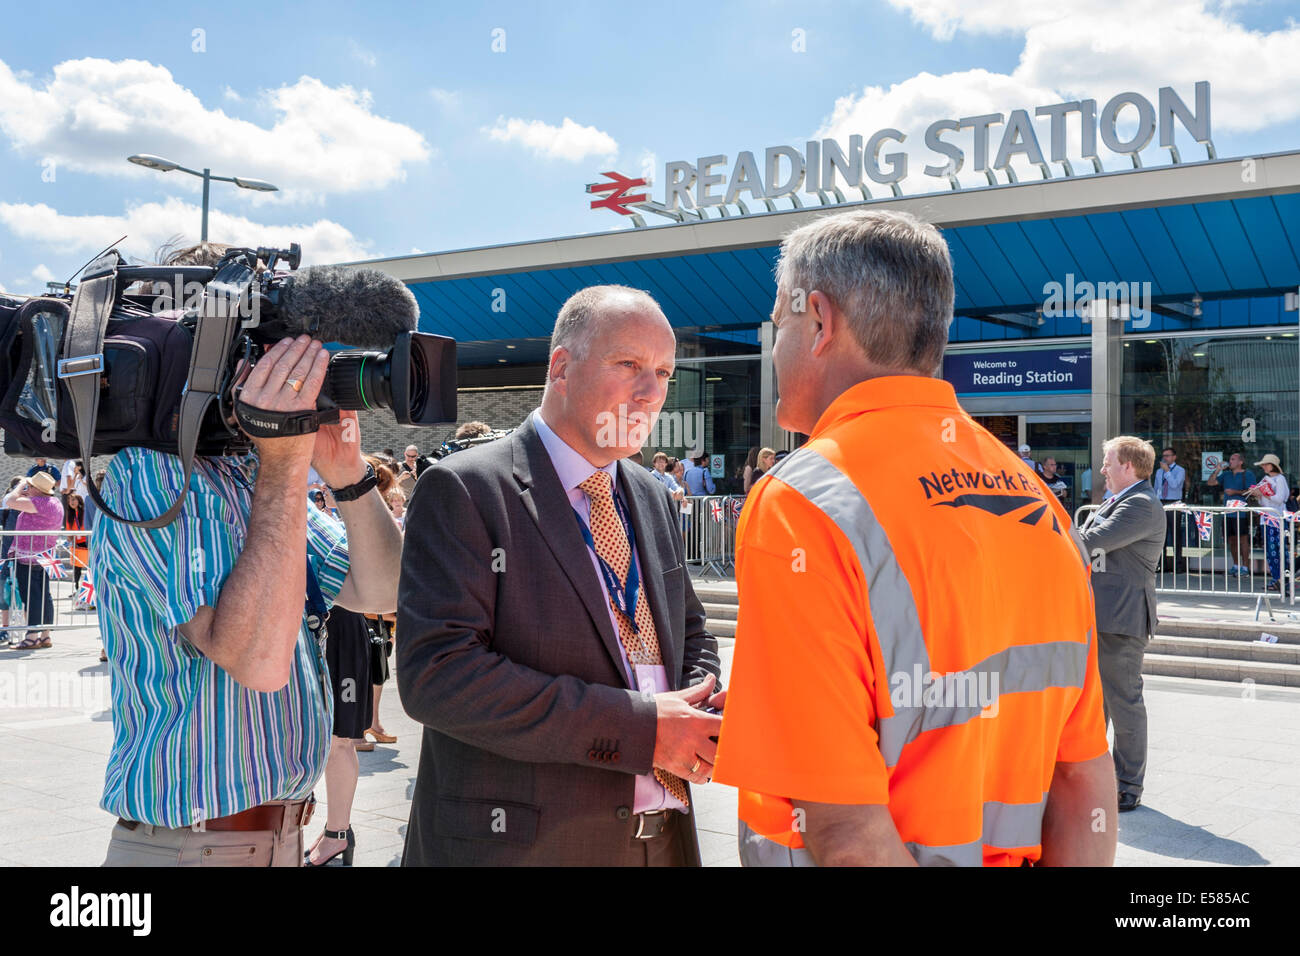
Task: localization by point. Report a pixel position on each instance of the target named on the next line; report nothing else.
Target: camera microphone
(360, 308)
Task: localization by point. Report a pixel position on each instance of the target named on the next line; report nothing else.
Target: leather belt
(267, 816)
(653, 823)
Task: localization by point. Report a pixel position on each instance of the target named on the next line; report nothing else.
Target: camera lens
(416, 378)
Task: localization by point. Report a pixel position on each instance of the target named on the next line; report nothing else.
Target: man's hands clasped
(685, 741)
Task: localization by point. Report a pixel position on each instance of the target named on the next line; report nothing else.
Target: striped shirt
(189, 742)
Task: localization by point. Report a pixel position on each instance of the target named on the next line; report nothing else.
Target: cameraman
(220, 723)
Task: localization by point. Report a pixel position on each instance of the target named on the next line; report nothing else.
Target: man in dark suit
(1126, 537)
(551, 642)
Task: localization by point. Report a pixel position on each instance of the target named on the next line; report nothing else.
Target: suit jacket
(1130, 531)
(533, 735)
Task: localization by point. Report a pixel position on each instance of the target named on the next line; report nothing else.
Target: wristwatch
(354, 491)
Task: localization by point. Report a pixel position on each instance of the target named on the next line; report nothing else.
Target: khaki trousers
(161, 846)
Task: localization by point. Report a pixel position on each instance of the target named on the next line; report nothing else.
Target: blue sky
(377, 121)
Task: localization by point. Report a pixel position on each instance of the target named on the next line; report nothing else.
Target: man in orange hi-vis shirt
(915, 677)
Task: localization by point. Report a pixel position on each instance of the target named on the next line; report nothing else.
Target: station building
(1154, 301)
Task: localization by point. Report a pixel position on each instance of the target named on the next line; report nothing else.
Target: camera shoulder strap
(83, 364)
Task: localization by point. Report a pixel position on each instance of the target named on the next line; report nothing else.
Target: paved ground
(1223, 785)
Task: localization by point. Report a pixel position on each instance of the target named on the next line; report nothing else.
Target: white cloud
(231, 94)
(648, 163)
(567, 141)
(149, 225)
(1083, 49)
(362, 55)
(447, 99)
(93, 113)
(35, 280)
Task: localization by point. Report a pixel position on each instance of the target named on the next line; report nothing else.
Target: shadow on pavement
(1155, 832)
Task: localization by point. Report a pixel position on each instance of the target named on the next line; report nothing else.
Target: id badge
(651, 678)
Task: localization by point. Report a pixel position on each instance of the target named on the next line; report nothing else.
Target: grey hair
(888, 272)
(580, 312)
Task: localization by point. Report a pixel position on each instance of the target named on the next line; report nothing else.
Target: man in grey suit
(1126, 537)
(551, 642)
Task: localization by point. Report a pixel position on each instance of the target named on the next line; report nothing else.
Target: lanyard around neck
(623, 596)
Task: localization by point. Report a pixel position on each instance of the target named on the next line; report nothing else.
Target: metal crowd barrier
(709, 531)
(57, 566)
(1204, 533)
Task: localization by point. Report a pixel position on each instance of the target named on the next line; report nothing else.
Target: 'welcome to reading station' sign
(1013, 373)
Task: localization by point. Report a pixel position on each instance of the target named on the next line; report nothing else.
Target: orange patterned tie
(611, 542)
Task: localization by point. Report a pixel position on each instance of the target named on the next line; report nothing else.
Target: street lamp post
(166, 166)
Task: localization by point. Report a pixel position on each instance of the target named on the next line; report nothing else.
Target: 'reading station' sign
(989, 141)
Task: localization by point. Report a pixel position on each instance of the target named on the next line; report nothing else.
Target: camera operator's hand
(268, 386)
(337, 455)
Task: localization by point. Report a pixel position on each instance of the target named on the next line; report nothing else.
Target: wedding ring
(295, 384)
(697, 765)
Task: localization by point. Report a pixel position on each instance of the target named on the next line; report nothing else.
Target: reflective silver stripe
(893, 609)
(1016, 669)
(963, 854)
(1009, 825)
(1006, 826)
(1019, 669)
(758, 850)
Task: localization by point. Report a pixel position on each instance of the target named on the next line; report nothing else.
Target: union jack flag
(1236, 503)
(715, 510)
(86, 593)
(736, 505)
(1269, 520)
(1203, 524)
(53, 568)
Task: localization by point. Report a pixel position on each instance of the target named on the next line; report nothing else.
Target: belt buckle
(640, 825)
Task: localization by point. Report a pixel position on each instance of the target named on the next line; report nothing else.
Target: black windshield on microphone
(360, 308)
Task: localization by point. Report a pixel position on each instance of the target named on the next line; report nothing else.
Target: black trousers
(1175, 533)
(34, 586)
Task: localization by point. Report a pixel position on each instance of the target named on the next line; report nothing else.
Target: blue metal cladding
(1247, 248)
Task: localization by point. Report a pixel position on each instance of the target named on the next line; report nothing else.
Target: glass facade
(1215, 394)
(1164, 317)
(713, 405)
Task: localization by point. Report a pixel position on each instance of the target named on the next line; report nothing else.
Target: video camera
(453, 445)
(117, 366)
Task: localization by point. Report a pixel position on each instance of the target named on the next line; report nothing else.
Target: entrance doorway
(1067, 442)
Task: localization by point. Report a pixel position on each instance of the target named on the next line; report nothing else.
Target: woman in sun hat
(1271, 491)
(41, 511)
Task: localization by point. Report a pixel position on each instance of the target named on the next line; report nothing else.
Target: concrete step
(1235, 650)
(720, 612)
(1205, 668)
(714, 591)
(721, 626)
(1247, 631)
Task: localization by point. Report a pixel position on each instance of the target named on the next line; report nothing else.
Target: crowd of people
(1229, 483)
(546, 635)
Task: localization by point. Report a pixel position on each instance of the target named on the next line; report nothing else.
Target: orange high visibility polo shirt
(915, 629)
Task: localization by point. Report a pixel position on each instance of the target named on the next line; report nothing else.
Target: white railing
(57, 568)
(709, 531)
(1212, 540)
